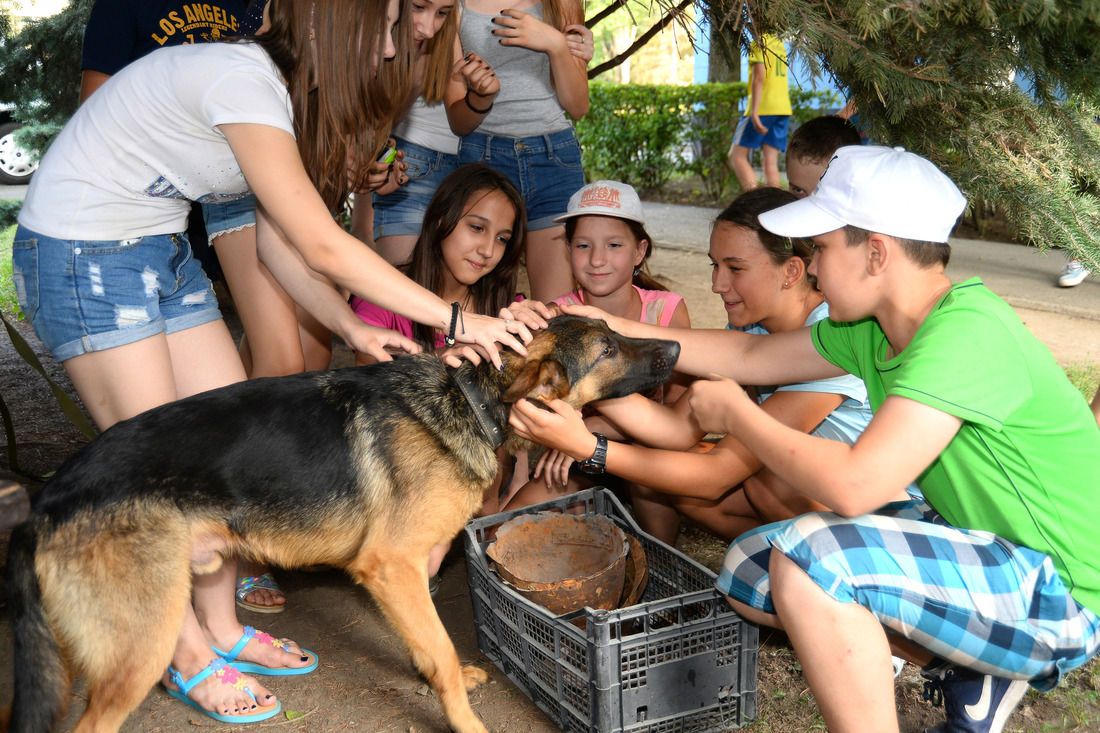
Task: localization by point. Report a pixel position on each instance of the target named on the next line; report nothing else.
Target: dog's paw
(474, 676)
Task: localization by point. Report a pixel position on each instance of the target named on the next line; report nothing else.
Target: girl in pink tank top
(608, 248)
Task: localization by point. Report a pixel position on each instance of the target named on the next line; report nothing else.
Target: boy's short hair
(923, 254)
(884, 190)
(817, 139)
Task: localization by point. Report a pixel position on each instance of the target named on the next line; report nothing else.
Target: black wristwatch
(597, 464)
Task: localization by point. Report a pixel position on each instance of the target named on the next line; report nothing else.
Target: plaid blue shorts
(969, 597)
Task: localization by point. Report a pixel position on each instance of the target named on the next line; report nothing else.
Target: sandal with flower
(259, 582)
(227, 675)
(265, 638)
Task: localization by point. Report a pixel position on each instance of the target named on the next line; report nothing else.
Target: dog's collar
(479, 403)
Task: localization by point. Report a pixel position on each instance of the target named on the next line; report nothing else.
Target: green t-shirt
(1025, 465)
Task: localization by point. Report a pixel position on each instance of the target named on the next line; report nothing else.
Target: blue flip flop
(227, 675)
(264, 638)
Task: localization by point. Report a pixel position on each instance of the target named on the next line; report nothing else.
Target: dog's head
(581, 360)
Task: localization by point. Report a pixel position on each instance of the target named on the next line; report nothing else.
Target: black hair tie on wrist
(456, 316)
(485, 111)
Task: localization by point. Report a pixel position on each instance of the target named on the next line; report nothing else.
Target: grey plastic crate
(678, 660)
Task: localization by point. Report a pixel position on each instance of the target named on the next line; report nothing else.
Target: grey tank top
(527, 104)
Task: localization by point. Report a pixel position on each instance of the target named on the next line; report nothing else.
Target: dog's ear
(539, 380)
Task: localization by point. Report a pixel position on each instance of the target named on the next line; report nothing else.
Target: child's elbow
(855, 501)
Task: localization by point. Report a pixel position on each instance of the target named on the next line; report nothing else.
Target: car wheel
(16, 163)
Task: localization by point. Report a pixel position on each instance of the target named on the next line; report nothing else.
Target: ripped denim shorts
(84, 295)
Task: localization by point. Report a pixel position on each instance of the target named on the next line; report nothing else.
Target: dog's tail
(42, 678)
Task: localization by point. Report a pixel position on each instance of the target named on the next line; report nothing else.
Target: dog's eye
(608, 351)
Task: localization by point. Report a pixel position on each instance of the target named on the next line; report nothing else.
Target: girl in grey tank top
(527, 134)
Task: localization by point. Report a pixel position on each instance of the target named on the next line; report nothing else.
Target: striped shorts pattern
(969, 597)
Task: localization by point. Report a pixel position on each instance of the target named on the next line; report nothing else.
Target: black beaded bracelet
(456, 316)
(485, 111)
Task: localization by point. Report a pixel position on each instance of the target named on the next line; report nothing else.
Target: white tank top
(426, 125)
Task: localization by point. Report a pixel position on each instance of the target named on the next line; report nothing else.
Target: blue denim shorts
(402, 212)
(546, 169)
(225, 217)
(747, 137)
(83, 295)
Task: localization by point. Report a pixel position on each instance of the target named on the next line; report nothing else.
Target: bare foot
(266, 597)
(224, 692)
(266, 591)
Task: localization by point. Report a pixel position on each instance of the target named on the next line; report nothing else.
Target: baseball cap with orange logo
(605, 198)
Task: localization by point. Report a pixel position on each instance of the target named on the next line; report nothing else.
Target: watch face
(597, 464)
(590, 467)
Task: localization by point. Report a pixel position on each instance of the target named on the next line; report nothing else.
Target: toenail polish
(305, 658)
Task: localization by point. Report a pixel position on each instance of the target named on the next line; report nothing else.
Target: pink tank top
(657, 305)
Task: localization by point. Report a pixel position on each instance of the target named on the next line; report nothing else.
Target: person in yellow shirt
(764, 125)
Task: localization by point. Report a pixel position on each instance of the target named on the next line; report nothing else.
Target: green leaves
(643, 134)
(936, 77)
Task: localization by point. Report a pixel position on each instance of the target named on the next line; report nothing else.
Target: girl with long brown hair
(105, 274)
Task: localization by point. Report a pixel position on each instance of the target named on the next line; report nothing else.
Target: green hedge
(644, 133)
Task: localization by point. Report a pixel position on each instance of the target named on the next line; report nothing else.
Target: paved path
(1023, 276)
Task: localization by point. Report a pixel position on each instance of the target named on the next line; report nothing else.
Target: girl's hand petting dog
(381, 343)
(559, 427)
(588, 311)
(453, 356)
(486, 332)
(531, 313)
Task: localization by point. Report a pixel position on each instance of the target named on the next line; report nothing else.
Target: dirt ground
(365, 681)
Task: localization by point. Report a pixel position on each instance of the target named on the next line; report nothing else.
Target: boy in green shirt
(989, 581)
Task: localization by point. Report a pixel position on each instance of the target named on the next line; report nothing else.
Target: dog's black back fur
(263, 442)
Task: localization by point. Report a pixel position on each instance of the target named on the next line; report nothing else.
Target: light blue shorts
(966, 596)
(225, 217)
(747, 137)
(83, 295)
(401, 213)
(546, 169)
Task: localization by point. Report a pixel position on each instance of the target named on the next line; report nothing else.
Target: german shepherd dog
(365, 469)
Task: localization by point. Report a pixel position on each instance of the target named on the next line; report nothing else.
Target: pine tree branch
(642, 40)
(609, 10)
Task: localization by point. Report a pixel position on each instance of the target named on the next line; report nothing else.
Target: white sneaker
(1074, 273)
(899, 665)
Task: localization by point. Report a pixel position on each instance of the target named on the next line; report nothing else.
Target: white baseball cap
(605, 198)
(880, 189)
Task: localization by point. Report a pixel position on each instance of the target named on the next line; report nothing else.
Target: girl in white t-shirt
(106, 277)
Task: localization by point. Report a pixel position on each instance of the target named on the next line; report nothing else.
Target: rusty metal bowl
(637, 573)
(561, 561)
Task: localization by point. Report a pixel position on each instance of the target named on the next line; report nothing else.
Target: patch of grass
(1078, 697)
(1085, 377)
(8, 302)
